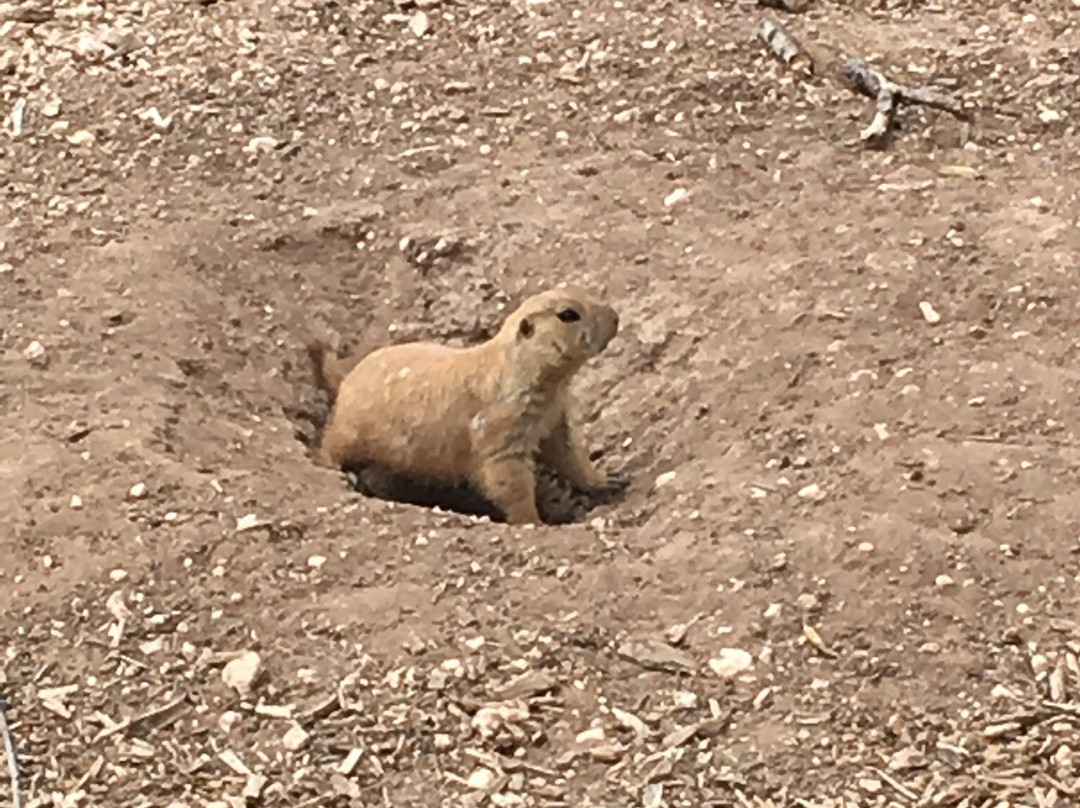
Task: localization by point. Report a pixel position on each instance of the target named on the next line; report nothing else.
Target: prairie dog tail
(328, 367)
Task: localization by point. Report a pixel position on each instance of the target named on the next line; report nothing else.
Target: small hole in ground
(557, 502)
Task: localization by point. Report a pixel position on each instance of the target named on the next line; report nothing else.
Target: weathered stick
(793, 6)
(888, 95)
(12, 756)
(785, 46)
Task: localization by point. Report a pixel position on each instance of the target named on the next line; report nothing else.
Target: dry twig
(888, 95)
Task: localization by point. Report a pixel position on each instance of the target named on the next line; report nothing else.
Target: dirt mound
(844, 572)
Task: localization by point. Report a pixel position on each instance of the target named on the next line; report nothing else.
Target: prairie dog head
(557, 331)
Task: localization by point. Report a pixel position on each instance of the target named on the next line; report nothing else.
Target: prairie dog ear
(526, 329)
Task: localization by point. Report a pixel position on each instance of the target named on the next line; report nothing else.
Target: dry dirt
(875, 515)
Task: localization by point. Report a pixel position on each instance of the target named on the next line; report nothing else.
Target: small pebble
(419, 23)
(665, 478)
(295, 738)
(731, 662)
(591, 735)
(240, 674)
(676, 196)
(1039, 664)
(944, 582)
(35, 354)
(81, 138)
(929, 314)
(870, 784)
(481, 779)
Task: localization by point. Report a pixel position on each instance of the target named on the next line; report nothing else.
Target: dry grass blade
(12, 755)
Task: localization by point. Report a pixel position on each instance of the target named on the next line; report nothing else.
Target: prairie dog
(481, 415)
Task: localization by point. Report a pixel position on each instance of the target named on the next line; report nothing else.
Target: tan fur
(481, 415)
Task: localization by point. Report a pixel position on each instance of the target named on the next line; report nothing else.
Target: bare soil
(850, 535)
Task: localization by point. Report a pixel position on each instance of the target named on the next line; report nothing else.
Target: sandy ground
(845, 570)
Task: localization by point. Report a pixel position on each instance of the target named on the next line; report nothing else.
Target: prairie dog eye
(569, 315)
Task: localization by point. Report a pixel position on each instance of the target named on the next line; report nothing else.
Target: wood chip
(656, 655)
(785, 47)
(349, 764)
(815, 640)
(233, 761)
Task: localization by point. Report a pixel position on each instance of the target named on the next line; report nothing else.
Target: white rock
(591, 735)
(316, 561)
(812, 491)
(228, 720)
(81, 138)
(481, 779)
(454, 667)
(731, 662)
(35, 354)
(240, 674)
(807, 601)
(1039, 664)
(665, 478)
(928, 313)
(295, 738)
(118, 575)
(443, 741)
(675, 197)
(944, 582)
(870, 784)
(76, 502)
(419, 23)
(684, 699)
(137, 491)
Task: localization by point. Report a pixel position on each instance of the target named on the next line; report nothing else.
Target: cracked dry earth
(845, 570)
